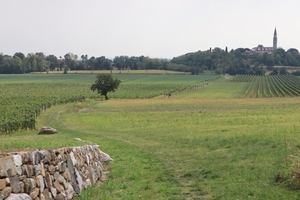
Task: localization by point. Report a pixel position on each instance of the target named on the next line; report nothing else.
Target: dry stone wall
(50, 174)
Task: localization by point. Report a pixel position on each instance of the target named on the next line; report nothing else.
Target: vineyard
(21, 103)
(270, 86)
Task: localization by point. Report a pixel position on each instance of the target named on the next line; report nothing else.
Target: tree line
(237, 61)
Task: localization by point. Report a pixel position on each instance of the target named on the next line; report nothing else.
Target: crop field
(270, 86)
(89, 78)
(208, 141)
(115, 71)
(23, 97)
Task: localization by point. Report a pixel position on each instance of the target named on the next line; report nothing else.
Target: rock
(22, 196)
(105, 157)
(42, 197)
(60, 179)
(25, 158)
(34, 193)
(47, 157)
(3, 173)
(62, 167)
(79, 180)
(51, 169)
(42, 170)
(56, 175)
(2, 184)
(74, 161)
(17, 160)
(40, 182)
(53, 192)
(7, 164)
(19, 170)
(91, 174)
(67, 174)
(38, 156)
(60, 197)
(37, 169)
(47, 130)
(53, 156)
(12, 171)
(46, 194)
(86, 183)
(28, 170)
(48, 180)
(98, 170)
(72, 173)
(29, 184)
(14, 184)
(69, 191)
(5, 192)
(58, 186)
(87, 159)
(21, 186)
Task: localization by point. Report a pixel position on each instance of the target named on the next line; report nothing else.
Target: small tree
(105, 83)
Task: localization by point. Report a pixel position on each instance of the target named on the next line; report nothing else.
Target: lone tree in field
(105, 83)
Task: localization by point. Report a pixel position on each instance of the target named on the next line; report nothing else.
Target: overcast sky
(154, 28)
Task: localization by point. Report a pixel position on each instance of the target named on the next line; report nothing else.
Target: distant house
(260, 49)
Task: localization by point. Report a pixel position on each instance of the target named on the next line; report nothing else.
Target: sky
(154, 28)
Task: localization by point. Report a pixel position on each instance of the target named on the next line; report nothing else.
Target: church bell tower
(275, 40)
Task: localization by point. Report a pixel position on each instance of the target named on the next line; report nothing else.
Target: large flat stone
(7, 164)
(47, 130)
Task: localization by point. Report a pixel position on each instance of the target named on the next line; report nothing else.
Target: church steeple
(275, 40)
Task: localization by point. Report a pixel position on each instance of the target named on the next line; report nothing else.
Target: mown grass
(185, 147)
(209, 148)
(221, 88)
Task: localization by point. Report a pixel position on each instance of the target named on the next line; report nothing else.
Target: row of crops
(20, 104)
(270, 86)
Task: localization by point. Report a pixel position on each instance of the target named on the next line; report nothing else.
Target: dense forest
(237, 61)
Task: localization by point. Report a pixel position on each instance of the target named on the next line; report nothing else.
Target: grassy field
(220, 88)
(205, 144)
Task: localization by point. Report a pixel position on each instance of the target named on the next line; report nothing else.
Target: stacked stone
(50, 174)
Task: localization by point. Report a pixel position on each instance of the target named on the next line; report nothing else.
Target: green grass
(23, 96)
(220, 88)
(206, 144)
(199, 148)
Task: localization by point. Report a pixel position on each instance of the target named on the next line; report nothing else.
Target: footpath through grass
(189, 148)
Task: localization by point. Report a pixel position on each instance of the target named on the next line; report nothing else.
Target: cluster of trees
(38, 62)
(238, 61)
